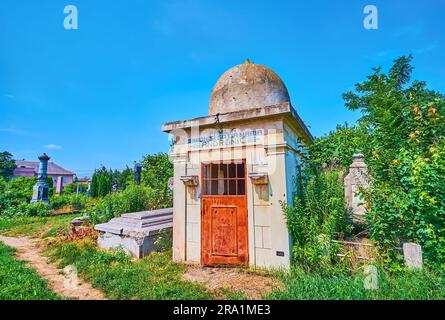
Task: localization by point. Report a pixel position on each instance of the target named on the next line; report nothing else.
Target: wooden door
(224, 214)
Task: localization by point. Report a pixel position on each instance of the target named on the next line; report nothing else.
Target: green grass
(18, 282)
(33, 226)
(401, 285)
(157, 277)
(153, 277)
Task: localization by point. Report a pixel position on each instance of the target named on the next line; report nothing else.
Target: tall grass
(401, 285)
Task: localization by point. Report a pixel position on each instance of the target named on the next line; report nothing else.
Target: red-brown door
(224, 214)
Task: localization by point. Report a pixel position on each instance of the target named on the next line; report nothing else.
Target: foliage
(134, 198)
(71, 188)
(7, 165)
(15, 192)
(317, 216)
(123, 178)
(114, 273)
(405, 152)
(101, 182)
(402, 285)
(18, 282)
(75, 201)
(164, 241)
(335, 150)
(157, 169)
(39, 209)
(15, 197)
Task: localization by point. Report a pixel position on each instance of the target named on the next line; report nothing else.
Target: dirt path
(63, 282)
(253, 284)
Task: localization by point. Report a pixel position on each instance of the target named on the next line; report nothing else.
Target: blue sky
(99, 94)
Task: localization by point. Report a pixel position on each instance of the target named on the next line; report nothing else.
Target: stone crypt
(233, 169)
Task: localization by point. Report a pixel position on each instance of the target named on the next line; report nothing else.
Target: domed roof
(247, 86)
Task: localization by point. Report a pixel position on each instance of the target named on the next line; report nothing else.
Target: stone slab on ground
(135, 232)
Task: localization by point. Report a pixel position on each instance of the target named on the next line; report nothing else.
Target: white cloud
(52, 146)
(16, 131)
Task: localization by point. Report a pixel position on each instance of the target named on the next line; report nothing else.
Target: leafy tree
(402, 134)
(335, 150)
(157, 169)
(7, 164)
(123, 178)
(101, 182)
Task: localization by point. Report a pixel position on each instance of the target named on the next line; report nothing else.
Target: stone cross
(412, 254)
(356, 178)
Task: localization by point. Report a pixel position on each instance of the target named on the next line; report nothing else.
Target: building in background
(61, 176)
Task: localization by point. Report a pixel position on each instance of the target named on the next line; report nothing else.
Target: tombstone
(40, 189)
(137, 173)
(412, 254)
(371, 277)
(135, 232)
(114, 186)
(355, 179)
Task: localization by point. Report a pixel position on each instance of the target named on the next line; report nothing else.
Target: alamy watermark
(371, 21)
(71, 21)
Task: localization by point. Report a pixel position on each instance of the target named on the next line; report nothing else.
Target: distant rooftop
(53, 168)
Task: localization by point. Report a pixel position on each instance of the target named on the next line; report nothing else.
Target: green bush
(24, 209)
(15, 192)
(71, 188)
(405, 151)
(134, 198)
(76, 201)
(157, 169)
(402, 135)
(317, 216)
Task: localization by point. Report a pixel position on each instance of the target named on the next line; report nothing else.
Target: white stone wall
(269, 241)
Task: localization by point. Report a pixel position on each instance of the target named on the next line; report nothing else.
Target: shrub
(134, 198)
(76, 201)
(318, 215)
(405, 151)
(39, 209)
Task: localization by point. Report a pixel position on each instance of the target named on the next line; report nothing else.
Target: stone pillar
(179, 207)
(40, 189)
(355, 179)
(137, 173)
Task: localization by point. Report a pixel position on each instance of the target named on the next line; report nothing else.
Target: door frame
(243, 197)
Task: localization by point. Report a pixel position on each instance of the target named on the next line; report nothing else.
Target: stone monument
(356, 178)
(40, 189)
(412, 254)
(135, 232)
(137, 173)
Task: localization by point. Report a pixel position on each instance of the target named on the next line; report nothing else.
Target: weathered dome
(247, 86)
